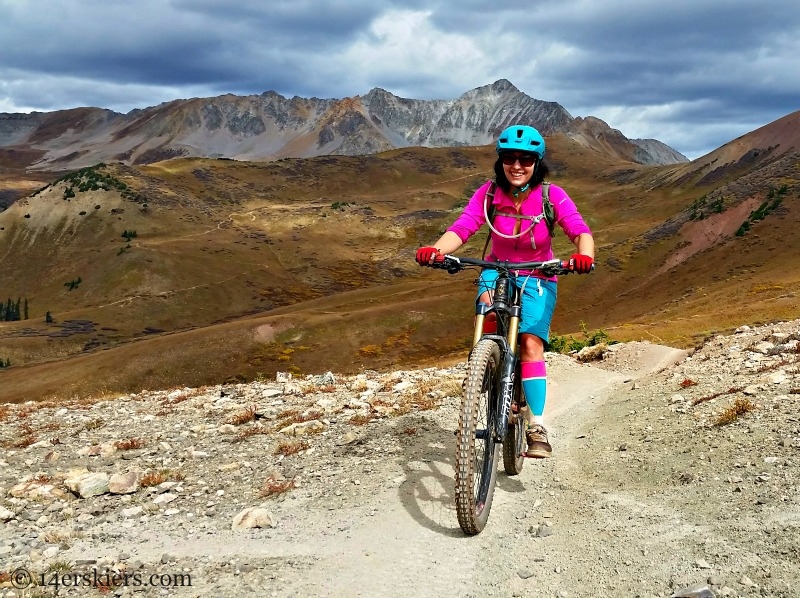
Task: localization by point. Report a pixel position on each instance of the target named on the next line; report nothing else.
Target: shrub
(361, 419)
(242, 418)
(129, 444)
(274, 486)
(731, 414)
(561, 344)
(290, 448)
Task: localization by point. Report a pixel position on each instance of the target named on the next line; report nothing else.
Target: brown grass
(295, 416)
(180, 398)
(290, 448)
(773, 366)
(153, 478)
(129, 444)
(24, 437)
(446, 388)
(730, 391)
(361, 419)
(731, 414)
(250, 432)
(274, 486)
(244, 417)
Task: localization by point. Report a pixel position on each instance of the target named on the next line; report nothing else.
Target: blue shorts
(538, 301)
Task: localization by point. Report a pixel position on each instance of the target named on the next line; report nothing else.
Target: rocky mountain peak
(502, 85)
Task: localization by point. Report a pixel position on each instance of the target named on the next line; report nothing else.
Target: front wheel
(476, 449)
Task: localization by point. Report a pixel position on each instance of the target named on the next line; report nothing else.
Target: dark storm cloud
(179, 43)
(692, 74)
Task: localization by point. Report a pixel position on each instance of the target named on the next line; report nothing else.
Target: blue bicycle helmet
(521, 138)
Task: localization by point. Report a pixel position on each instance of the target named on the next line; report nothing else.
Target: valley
(167, 274)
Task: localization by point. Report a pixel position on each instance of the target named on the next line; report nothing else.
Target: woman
(519, 233)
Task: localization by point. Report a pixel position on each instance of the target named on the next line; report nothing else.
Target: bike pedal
(530, 456)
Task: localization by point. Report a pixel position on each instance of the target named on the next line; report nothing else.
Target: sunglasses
(525, 161)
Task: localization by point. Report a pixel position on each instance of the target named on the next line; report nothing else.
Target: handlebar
(455, 264)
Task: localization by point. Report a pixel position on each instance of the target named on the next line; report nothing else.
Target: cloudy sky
(694, 74)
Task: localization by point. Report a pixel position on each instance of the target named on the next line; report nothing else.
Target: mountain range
(270, 126)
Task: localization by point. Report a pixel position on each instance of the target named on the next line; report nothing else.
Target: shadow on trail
(427, 493)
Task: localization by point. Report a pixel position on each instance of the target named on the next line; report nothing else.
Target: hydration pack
(548, 211)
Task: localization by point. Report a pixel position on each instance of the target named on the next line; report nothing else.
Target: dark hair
(540, 171)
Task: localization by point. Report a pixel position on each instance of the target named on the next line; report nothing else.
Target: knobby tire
(476, 449)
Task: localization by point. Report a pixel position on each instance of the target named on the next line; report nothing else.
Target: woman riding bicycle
(520, 234)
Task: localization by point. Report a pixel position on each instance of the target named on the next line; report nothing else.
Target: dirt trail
(405, 540)
(645, 495)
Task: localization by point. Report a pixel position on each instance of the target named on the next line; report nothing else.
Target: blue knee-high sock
(534, 385)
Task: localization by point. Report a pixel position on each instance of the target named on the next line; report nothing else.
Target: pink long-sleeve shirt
(535, 244)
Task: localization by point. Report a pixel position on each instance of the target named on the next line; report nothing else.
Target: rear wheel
(476, 450)
(514, 442)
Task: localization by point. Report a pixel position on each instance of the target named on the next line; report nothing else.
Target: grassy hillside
(196, 271)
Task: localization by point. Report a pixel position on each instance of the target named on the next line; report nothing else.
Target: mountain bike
(492, 405)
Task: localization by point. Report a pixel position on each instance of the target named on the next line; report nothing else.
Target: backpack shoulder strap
(548, 209)
(488, 200)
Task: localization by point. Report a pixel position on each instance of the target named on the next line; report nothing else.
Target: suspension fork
(481, 309)
(507, 373)
(504, 301)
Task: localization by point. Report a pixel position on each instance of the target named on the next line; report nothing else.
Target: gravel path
(647, 494)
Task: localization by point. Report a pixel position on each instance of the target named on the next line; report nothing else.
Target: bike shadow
(427, 492)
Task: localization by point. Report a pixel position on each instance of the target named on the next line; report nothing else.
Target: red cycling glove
(582, 264)
(425, 255)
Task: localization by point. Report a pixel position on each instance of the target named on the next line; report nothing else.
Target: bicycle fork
(508, 369)
(504, 302)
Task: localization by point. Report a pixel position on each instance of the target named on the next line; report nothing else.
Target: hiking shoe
(538, 446)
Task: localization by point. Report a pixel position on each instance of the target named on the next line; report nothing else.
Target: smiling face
(518, 167)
